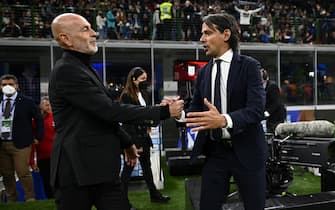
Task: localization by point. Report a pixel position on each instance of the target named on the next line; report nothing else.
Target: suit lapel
(232, 76)
(208, 81)
(94, 75)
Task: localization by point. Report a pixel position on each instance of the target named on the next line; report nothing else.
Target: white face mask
(8, 90)
(5, 20)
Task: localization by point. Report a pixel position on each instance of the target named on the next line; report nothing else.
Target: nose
(94, 33)
(202, 39)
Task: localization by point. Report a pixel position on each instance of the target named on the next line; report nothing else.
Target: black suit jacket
(245, 105)
(22, 131)
(87, 146)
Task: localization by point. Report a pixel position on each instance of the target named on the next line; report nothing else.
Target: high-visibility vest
(166, 10)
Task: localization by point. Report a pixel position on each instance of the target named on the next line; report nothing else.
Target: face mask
(5, 20)
(143, 85)
(8, 90)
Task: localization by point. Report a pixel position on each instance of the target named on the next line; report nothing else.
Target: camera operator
(275, 111)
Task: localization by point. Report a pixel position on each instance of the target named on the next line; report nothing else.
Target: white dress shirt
(226, 59)
(12, 109)
(225, 66)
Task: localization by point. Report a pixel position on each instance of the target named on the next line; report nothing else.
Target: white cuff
(229, 121)
(182, 117)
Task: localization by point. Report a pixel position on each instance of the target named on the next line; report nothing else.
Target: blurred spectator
(157, 32)
(26, 23)
(245, 16)
(136, 26)
(48, 9)
(111, 33)
(11, 29)
(89, 16)
(43, 148)
(101, 25)
(145, 33)
(308, 38)
(331, 36)
(289, 91)
(188, 27)
(329, 88)
(199, 13)
(176, 34)
(166, 18)
(307, 91)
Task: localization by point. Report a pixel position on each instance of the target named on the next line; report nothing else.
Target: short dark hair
(8, 77)
(265, 75)
(221, 22)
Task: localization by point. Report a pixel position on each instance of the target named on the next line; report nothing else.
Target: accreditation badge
(6, 125)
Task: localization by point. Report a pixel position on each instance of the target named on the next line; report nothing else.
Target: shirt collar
(12, 98)
(226, 57)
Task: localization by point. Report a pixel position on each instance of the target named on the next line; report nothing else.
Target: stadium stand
(283, 21)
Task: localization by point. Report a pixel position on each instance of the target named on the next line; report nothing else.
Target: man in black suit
(231, 139)
(17, 137)
(275, 111)
(85, 161)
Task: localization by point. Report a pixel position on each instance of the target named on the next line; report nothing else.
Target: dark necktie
(217, 92)
(217, 133)
(6, 114)
(7, 108)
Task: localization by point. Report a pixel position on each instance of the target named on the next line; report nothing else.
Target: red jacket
(43, 149)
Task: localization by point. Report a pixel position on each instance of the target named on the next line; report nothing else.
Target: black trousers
(215, 183)
(105, 196)
(44, 166)
(145, 162)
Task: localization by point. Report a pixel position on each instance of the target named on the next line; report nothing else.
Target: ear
(64, 38)
(226, 33)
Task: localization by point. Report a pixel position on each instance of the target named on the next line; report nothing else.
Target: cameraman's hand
(131, 155)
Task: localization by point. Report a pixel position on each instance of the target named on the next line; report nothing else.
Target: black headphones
(137, 72)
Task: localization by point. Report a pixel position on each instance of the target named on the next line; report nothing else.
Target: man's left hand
(210, 119)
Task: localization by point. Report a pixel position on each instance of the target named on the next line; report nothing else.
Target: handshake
(176, 106)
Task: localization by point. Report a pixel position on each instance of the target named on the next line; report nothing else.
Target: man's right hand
(176, 108)
(131, 155)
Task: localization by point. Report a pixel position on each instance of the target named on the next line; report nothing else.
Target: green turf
(303, 183)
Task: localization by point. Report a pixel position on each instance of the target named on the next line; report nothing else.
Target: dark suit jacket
(87, 124)
(22, 131)
(245, 105)
(274, 106)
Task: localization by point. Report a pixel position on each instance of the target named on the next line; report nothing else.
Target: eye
(86, 28)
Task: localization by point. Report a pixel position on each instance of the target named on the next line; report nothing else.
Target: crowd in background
(287, 21)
